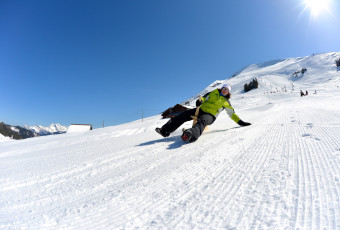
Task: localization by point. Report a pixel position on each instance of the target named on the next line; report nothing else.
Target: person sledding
(210, 105)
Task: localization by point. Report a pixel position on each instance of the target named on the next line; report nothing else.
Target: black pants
(203, 120)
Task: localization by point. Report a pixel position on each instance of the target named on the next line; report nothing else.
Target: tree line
(254, 84)
(22, 133)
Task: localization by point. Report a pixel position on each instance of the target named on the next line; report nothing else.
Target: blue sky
(88, 61)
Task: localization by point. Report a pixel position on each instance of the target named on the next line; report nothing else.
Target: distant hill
(18, 132)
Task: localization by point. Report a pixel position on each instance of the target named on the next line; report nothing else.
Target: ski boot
(187, 135)
(161, 132)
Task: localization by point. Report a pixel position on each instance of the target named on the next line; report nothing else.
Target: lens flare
(317, 6)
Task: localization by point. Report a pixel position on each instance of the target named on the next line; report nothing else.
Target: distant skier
(306, 93)
(301, 93)
(211, 105)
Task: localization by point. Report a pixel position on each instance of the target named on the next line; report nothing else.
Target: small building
(78, 128)
(173, 111)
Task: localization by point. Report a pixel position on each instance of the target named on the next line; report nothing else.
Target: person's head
(225, 90)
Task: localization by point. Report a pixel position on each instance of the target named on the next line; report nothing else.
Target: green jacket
(214, 103)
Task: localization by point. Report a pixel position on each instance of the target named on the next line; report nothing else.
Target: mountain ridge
(322, 64)
(54, 128)
(23, 132)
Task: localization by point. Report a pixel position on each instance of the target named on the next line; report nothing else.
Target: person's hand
(199, 102)
(242, 123)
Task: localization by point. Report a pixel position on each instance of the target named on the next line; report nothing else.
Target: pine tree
(254, 84)
(337, 62)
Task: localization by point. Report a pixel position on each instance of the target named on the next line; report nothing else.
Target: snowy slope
(3, 138)
(275, 75)
(282, 172)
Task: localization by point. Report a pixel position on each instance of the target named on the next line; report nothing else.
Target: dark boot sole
(185, 138)
(158, 130)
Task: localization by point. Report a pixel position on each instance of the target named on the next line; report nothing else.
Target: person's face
(224, 91)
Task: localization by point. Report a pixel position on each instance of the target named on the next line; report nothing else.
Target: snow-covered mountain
(15, 132)
(282, 172)
(52, 129)
(10, 132)
(277, 75)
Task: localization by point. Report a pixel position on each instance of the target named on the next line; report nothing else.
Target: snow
(3, 138)
(15, 129)
(282, 172)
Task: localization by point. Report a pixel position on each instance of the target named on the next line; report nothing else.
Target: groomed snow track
(283, 172)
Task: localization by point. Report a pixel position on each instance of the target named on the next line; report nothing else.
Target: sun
(317, 6)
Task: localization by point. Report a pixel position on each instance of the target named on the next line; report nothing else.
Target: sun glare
(317, 6)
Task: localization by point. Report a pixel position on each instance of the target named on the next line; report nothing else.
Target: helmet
(227, 86)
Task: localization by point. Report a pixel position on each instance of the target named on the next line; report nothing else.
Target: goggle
(224, 88)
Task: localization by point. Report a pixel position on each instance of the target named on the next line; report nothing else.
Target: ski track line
(325, 161)
(160, 199)
(79, 175)
(204, 186)
(238, 178)
(300, 211)
(164, 182)
(74, 171)
(144, 175)
(268, 156)
(308, 173)
(91, 181)
(262, 204)
(51, 178)
(323, 153)
(313, 208)
(248, 167)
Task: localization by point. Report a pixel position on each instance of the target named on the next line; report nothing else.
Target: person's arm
(201, 100)
(231, 112)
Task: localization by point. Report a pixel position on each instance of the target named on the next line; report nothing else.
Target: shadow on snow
(176, 142)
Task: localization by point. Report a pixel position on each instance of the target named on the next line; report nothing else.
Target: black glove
(242, 123)
(199, 102)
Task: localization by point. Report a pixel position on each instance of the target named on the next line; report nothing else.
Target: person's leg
(203, 120)
(177, 121)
